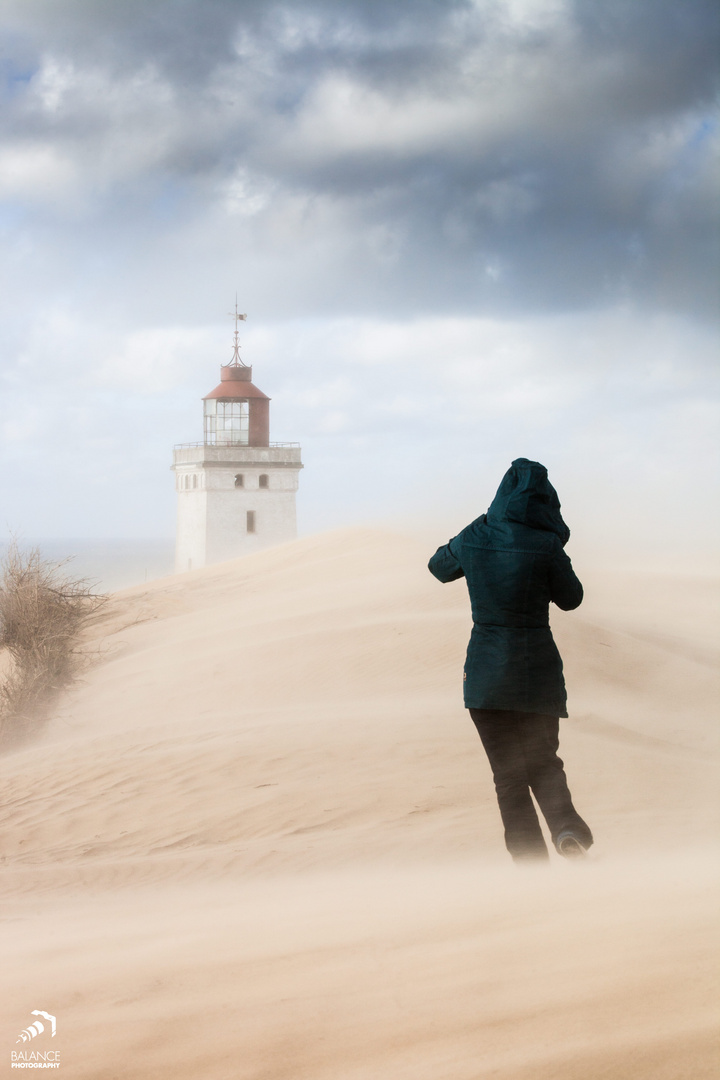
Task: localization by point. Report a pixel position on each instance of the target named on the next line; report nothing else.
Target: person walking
(513, 561)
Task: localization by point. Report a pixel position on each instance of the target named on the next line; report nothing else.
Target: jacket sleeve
(565, 588)
(444, 565)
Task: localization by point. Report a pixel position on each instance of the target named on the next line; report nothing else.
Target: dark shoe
(569, 846)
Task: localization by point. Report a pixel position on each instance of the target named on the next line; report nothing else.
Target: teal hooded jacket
(513, 561)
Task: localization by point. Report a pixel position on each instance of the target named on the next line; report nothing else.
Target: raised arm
(565, 588)
(444, 566)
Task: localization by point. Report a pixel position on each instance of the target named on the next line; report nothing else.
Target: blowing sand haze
(260, 842)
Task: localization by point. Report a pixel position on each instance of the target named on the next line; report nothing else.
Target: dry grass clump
(43, 613)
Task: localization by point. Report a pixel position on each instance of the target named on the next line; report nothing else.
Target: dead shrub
(43, 613)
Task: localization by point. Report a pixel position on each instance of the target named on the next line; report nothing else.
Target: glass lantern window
(227, 423)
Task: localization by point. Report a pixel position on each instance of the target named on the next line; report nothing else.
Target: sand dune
(261, 840)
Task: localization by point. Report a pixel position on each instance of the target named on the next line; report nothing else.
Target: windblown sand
(261, 840)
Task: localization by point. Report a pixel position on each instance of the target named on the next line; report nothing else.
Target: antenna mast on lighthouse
(236, 361)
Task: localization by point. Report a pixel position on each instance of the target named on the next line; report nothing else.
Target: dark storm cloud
(473, 156)
(188, 39)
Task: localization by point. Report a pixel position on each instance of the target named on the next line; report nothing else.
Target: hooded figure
(513, 561)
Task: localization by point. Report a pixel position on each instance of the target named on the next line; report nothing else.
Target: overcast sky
(463, 231)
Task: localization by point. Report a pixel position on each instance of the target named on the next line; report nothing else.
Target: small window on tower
(263, 481)
(251, 521)
(239, 480)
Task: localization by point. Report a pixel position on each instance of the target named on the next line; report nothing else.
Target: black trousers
(522, 750)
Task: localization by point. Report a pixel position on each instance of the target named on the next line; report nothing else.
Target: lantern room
(236, 413)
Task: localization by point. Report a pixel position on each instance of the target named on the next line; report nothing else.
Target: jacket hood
(527, 497)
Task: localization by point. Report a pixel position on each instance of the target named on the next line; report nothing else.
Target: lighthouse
(236, 489)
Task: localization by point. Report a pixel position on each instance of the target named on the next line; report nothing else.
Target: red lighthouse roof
(235, 382)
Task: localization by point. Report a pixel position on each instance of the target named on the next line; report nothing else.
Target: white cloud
(52, 82)
(244, 195)
(154, 361)
(345, 116)
(66, 89)
(38, 171)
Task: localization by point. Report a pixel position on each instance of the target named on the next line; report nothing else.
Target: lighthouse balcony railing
(272, 445)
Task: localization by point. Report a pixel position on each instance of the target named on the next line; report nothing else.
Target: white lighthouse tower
(236, 489)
